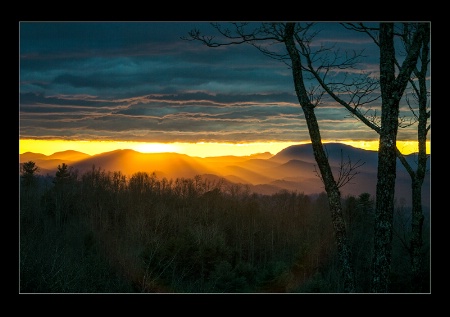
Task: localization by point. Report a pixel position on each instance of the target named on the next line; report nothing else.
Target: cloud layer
(142, 82)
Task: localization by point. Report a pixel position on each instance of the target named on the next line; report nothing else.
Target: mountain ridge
(293, 168)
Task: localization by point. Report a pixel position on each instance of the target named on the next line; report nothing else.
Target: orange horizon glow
(201, 149)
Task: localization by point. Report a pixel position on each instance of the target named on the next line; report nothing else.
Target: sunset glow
(405, 147)
(95, 88)
(202, 149)
(221, 157)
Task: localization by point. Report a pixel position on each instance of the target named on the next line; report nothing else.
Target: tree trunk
(334, 197)
(392, 90)
(416, 237)
(387, 160)
(418, 177)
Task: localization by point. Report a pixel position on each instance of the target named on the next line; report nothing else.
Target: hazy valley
(292, 169)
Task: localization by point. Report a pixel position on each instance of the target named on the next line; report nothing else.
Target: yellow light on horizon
(201, 149)
(155, 147)
(208, 149)
(48, 147)
(405, 147)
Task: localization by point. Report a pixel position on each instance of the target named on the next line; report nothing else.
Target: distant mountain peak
(265, 155)
(305, 152)
(69, 155)
(68, 152)
(117, 151)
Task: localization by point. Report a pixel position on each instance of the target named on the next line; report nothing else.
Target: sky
(99, 86)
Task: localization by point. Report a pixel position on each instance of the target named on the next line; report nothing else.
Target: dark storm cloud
(217, 98)
(42, 111)
(96, 36)
(141, 81)
(97, 80)
(63, 100)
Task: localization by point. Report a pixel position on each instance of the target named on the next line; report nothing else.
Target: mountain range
(292, 169)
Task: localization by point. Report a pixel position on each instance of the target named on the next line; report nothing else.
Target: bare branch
(233, 37)
(347, 171)
(360, 27)
(359, 90)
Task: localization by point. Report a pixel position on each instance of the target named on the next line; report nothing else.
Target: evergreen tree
(28, 173)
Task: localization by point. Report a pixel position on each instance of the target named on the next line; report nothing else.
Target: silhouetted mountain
(293, 168)
(250, 176)
(263, 156)
(336, 152)
(30, 156)
(48, 164)
(366, 177)
(301, 151)
(257, 164)
(69, 155)
(172, 165)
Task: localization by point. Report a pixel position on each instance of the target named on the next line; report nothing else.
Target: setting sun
(166, 157)
(201, 149)
(154, 147)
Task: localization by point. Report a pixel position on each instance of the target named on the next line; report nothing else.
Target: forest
(104, 232)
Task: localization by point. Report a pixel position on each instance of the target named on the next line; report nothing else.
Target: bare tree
(416, 39)
(292, 36)
(417, 177)
(360, 91)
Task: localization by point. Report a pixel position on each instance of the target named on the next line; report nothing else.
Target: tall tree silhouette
(360, 90)
(28, 173)
(393, 79)
(417, 176)
(28, 190)
(64, 182)
(413, 70)
(291, 36)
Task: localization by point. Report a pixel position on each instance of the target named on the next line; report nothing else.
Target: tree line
(104, 232)
(404, 59)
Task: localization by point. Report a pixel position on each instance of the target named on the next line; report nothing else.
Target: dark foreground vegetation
(102, 232)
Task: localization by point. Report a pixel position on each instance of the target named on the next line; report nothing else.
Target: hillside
(293, 168)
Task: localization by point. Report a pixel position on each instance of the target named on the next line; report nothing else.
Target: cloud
(140, 81)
